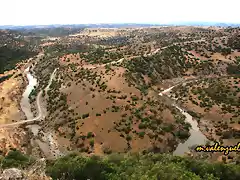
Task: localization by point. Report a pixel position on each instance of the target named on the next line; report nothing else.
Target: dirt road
(40, 114)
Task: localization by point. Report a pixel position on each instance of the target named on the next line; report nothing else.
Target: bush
(233, 69)
(89, 135)
(142, 126)
(139, 167)
(141, 134)
(85, 116)
(91, 142)
(15, 158)
(128, 138)
(168, 127)
(182, 134)
(77, 167)
(98, 114)
(106, 149)
(134, 98)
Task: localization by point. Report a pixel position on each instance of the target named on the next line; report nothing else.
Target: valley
(102, 91)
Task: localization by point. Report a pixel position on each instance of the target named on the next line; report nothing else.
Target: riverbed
(25, 105)
(49, 146)
(196, 136)
(46, 143)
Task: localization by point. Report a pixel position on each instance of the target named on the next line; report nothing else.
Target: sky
(43, 12)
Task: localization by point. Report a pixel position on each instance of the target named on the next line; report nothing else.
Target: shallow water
(196, 136)
(49, 146)
(25, 104)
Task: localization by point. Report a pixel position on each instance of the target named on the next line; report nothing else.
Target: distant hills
(78, 26)
(111, 25)
(221, 24)
(13, 48)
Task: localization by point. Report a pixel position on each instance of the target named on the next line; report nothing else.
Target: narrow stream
(48, 146)
(196, 136)
(25, 105)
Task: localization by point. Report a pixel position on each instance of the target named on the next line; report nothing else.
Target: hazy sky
(26, 12)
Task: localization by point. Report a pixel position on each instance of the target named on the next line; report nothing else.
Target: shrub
(142, 126)
(182, 134)
(138, 166)
(141, 134)
(91, 142)
(85, 116)
(128, 138)
(15, 158)
(89, 134)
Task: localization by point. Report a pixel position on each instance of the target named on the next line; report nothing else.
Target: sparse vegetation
(105, 99)
(149, 166)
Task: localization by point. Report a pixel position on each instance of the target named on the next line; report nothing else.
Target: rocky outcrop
(38, 170)
(12, 174)
(13, 138)
(34, 172)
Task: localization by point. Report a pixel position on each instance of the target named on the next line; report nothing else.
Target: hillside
(124, 103)
(138, 121)
(13, 49)
(105, 90)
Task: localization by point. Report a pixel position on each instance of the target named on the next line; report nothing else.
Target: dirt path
(196, 136)
(151, 53)
(40, 114)
(39, 117)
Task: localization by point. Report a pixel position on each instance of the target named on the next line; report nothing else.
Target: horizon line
(138, 23)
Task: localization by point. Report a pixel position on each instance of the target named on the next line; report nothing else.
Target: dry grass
(85, 97)
(10, 96)
(102, 126)
(100, 32)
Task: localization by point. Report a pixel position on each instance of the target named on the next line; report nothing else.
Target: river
(196, 136)
(49, 146)
(25, 105)
(46, 143)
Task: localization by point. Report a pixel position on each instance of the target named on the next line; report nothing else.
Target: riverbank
(10, 112)
(213, 104)
(41, 139)
(32, 137)
(196, 136)
(48, 137)
(11, 91)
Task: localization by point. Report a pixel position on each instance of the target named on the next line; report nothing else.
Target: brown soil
(214, 122)
(11, 91)
(83, 97)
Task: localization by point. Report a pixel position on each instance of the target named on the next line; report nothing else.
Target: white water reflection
(25, 104)
(48, 145)
(196, 136)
